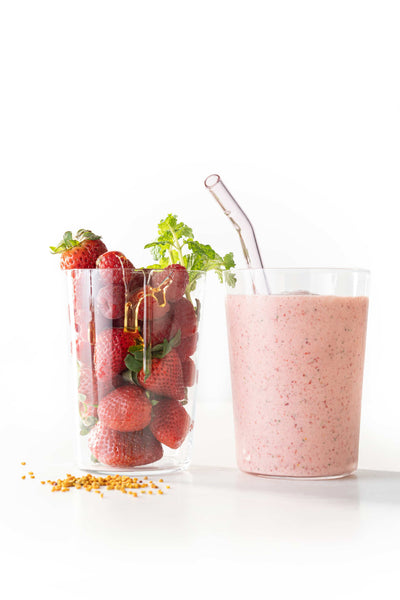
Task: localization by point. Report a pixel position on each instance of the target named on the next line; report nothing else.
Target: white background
(113, 113)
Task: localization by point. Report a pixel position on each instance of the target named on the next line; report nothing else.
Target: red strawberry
(110, 301)
(170, 423)
(150, 307)
(110, 351)
(92, 389)
(83, 350)
(123, 448)
(125, 409)
(187, 347)
(165, 378)
(106, 386)
(115, 267)
(81, 290)
(161, 329)
(137, 280)
(176, 279)
(86, 328)
(88, 385)
(185, 317)
(82, 319)
(188, 372)
(96, 247)
(80, 252)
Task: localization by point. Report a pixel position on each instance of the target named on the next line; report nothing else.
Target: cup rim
(312, 269)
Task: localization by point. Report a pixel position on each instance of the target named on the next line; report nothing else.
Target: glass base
(300, 478)
(146, 470)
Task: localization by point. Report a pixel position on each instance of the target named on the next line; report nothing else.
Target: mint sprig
(176, 244)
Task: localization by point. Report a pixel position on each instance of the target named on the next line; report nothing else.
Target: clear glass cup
(297, 358)
(135, 349)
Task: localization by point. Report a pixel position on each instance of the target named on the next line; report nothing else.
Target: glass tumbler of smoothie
(297, 357)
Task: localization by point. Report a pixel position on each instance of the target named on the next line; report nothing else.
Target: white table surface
(216, 531)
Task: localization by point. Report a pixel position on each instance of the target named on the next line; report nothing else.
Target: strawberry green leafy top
(176, 244)
(69, 241)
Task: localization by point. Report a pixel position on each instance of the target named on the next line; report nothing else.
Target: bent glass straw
(243, 227)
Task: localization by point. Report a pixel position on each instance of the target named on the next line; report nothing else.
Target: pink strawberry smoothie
(297, 370)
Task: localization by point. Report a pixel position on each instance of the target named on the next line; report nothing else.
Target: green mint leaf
(176, 244)
(230, 279)
(229, 263)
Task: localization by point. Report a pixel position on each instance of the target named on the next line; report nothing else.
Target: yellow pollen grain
(121, 483)
(23, 463)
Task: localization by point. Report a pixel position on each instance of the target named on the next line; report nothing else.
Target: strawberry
(187, 347)
(88, 325)
(115, 267)
(185, 317)
(107, 385)
(175, 278)
(137, 280)
(150, 307)
(123, 448)
(80, 252)
(110, 301)
(88, 385)
(165, 377)
(160, 329)
(82, 319)
(83, 350)
(170, 423)
(188, 372)
(92, 389)
(125, 409)
(110, 351)
(80, 290)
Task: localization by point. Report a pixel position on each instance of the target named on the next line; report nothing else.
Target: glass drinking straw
(243, 227)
